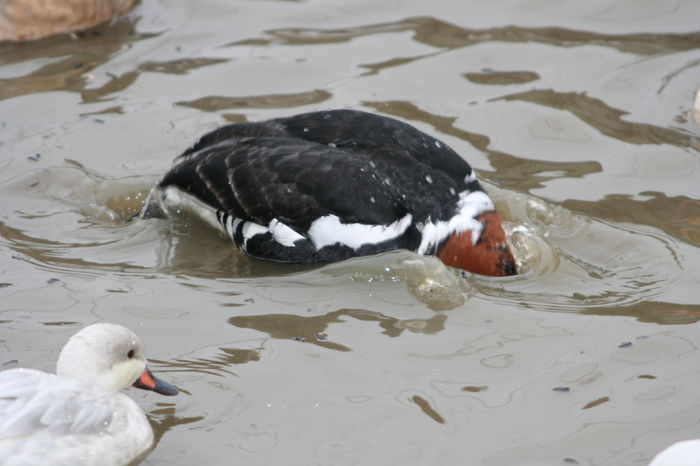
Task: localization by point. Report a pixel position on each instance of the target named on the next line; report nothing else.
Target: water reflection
(606, 119)
(219, 365)
(677, 216)
(502, 78)
(429, 411)
(652, 311)
(375, 68)
(66, 61)
(509, 170)
(313, 329)
(445, 35)
(216, 103)
(181, 66)
(529, 174)
(164, 418)
(68, 58)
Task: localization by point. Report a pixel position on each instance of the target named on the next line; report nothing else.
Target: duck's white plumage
(77, 416)
(684, 453)
(56, 420)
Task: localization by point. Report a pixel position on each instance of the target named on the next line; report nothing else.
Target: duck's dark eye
(130, 354)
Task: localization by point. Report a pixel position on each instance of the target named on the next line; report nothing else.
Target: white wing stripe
(329, 230)
(283, 234)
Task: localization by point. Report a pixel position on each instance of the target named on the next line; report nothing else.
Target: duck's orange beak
(489, 255)
(148, 381)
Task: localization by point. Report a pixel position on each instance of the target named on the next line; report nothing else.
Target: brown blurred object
(32, 19)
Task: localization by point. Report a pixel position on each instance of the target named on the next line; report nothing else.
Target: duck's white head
(111, 356)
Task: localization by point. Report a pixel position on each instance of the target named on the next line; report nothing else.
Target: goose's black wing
(374, 135)
(264, 178)
(361, 168)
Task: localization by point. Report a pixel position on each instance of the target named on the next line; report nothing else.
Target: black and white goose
(327, 186)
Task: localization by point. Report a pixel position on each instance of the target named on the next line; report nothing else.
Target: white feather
(251, 229)
(48, 419)
(470, 205)
(683, 453)
(329, 230)
(283, 234)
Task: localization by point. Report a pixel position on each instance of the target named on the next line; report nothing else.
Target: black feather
(360, 167)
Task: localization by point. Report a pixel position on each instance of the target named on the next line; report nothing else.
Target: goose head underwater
(326, 186)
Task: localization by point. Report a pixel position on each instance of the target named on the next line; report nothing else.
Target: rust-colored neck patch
(489, 256)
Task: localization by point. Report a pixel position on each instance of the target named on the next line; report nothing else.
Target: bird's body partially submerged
(327, 186)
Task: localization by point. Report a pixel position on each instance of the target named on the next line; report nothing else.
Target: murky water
(578, 119)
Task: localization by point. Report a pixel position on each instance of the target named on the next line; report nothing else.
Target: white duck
(78, 416)
(684, 453)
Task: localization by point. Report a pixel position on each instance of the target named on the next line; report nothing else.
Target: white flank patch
(231, 225)
(280, 232)
(173, 201)
(283, 234)
(471, 205)
(329, 230)
(251, 229)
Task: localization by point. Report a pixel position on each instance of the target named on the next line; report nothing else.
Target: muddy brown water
(577, 116)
